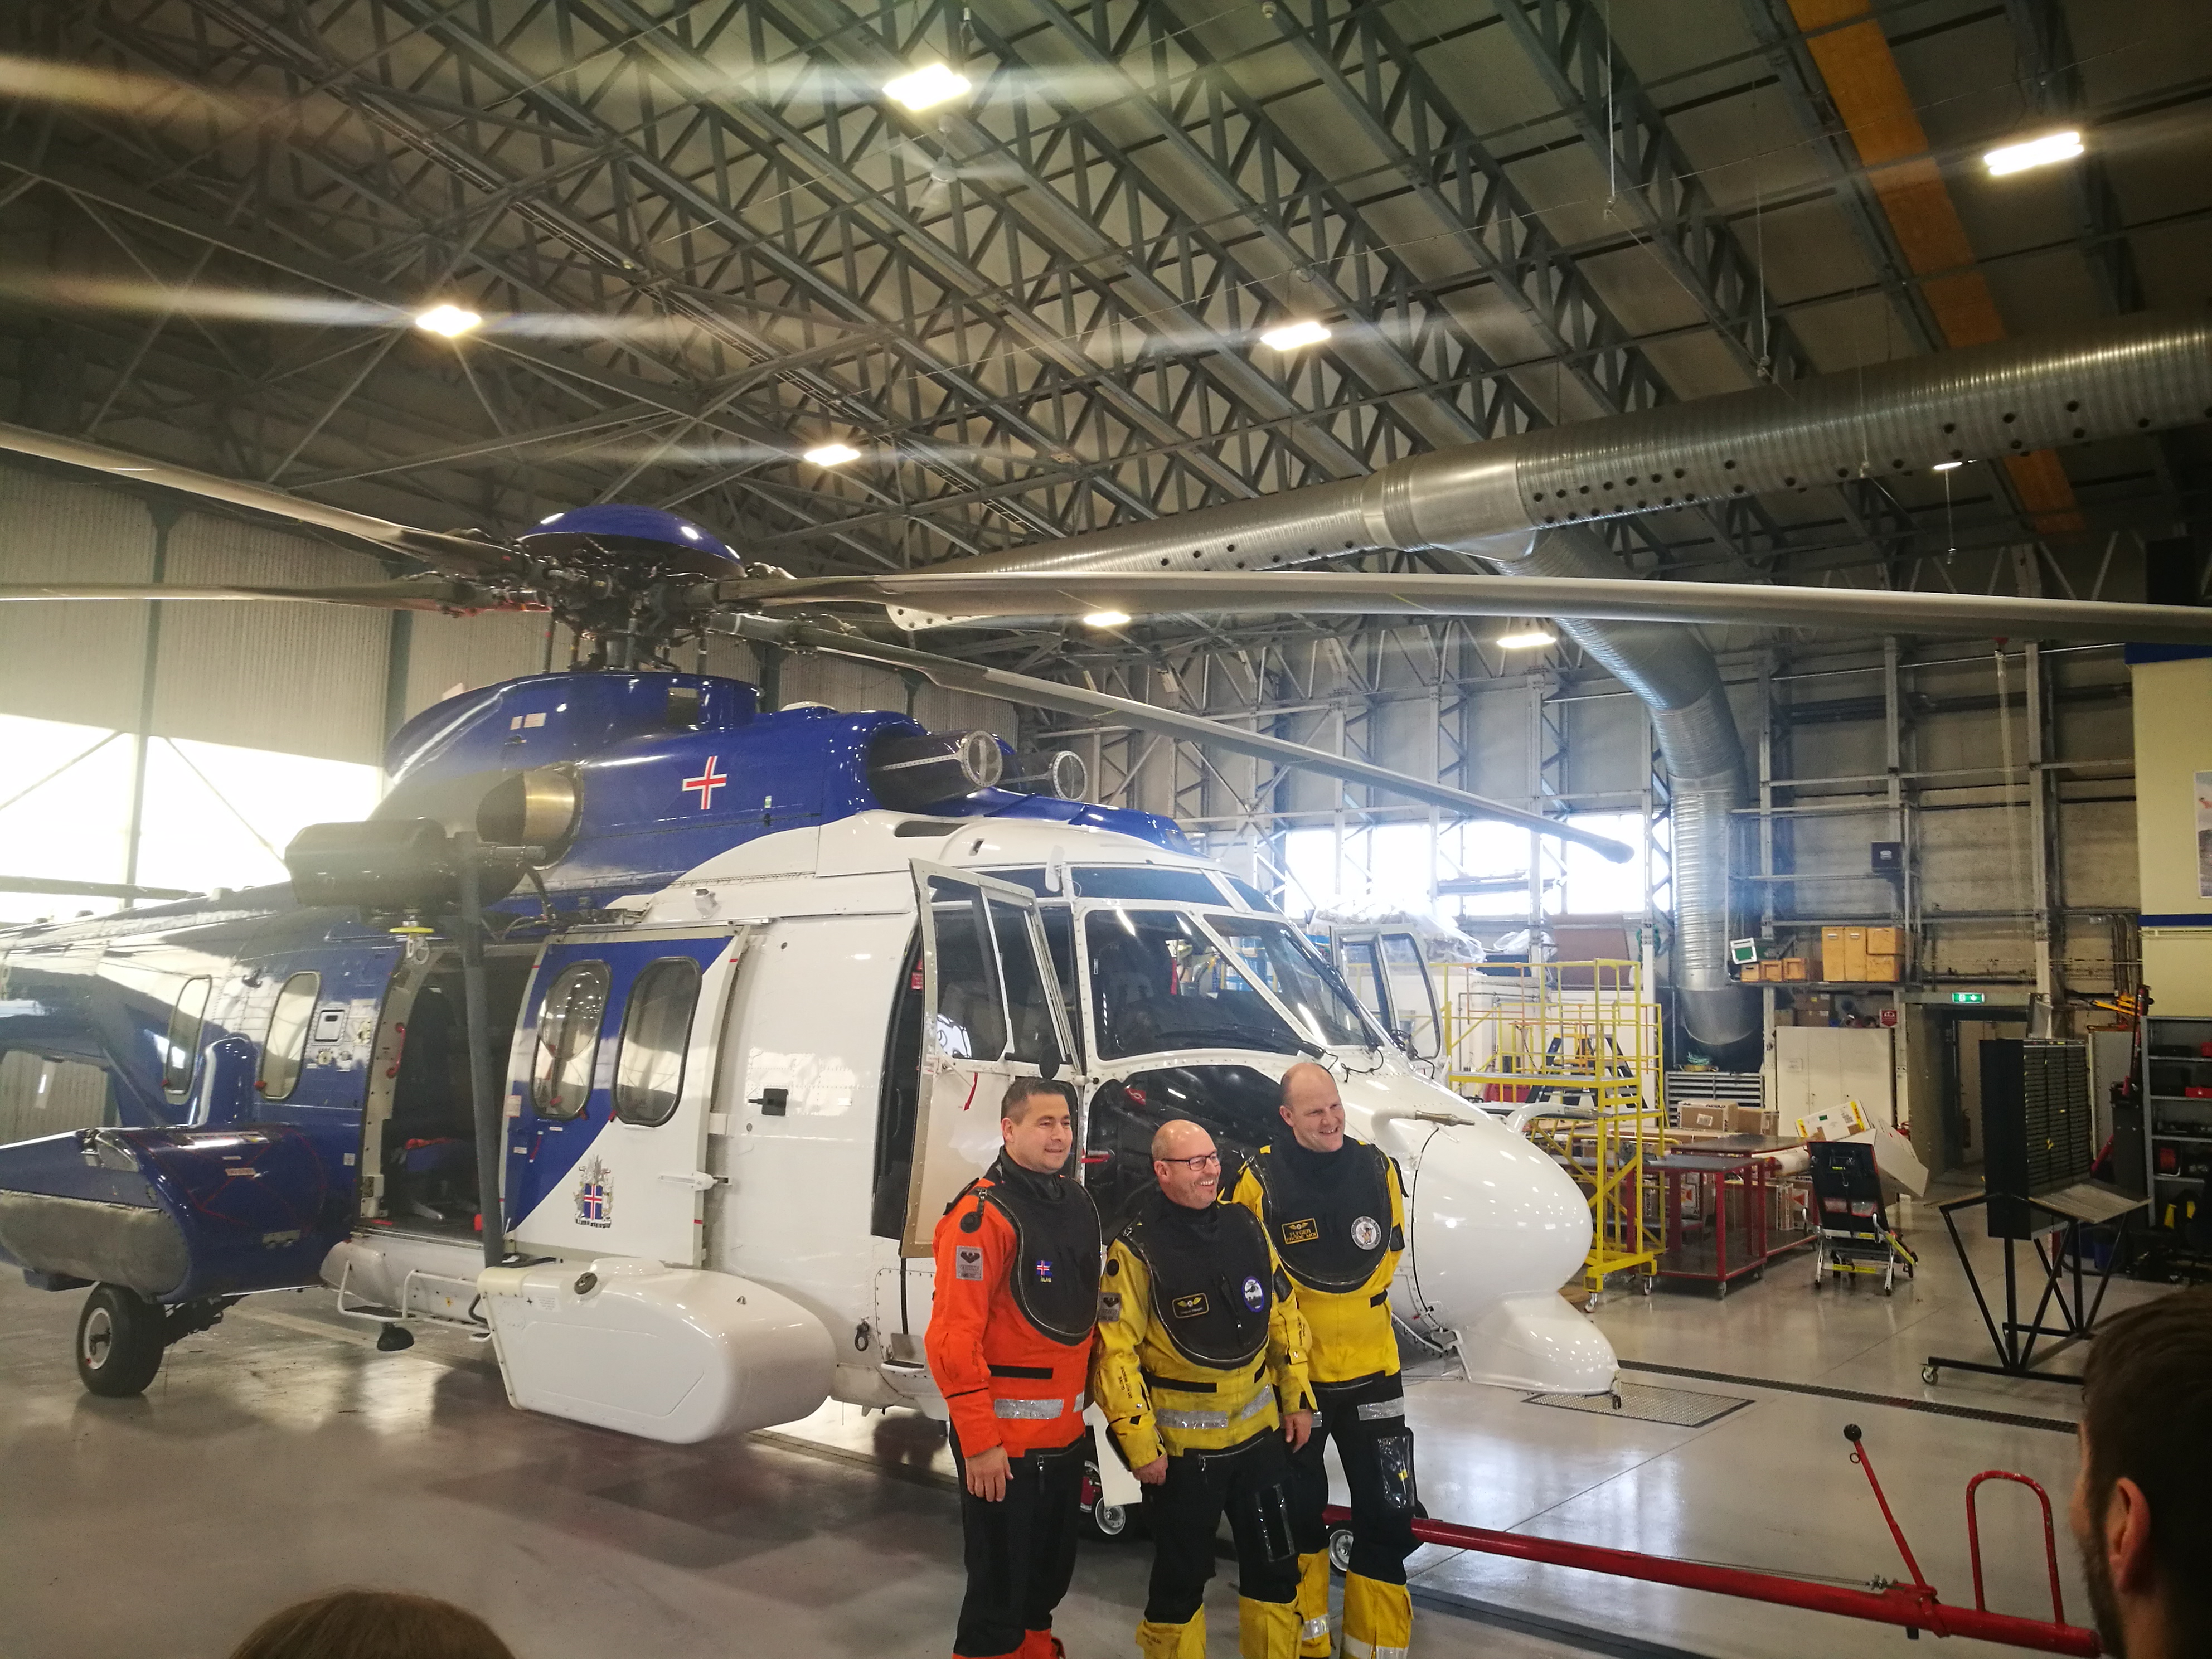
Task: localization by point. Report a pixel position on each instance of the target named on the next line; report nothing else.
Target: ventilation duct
(1519, 504)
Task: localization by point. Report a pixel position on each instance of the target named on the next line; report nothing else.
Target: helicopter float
(645, 1028)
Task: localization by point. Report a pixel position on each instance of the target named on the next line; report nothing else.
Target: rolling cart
(1853, 1235)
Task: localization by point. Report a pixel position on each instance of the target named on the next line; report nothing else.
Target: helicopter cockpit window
(971, 1004)
(656, 1026)
(568, 1040)
(1165, 979)
(1361, 960)
(1145, 881)
(1252, 896)
(1274, 954)
(180, 1046)
(286, 1039)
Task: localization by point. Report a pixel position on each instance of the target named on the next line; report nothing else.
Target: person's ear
(2128, 1539)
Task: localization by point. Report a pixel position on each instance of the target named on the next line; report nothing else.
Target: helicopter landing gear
(120, 1339)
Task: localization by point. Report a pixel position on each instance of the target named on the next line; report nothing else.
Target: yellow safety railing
(1583, 1038)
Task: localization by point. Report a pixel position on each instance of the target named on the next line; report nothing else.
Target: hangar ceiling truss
(706, 240)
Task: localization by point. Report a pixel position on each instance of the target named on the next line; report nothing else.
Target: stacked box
(1854, 955)
(1796, 968)
(1884, 954)
(1702, 1117)
(1832, 954)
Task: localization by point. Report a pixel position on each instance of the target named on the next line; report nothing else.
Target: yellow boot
(1183, 1641)
(1313, 1606)
(1378, 1619)
(1266, 1629)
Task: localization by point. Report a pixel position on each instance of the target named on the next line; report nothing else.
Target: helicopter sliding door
(991, 1012)
(615, 1069)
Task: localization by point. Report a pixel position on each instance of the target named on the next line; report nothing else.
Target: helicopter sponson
(733, 1092)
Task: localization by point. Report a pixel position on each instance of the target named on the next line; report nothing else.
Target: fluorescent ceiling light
(449, 321)
(832, 454)
(1106, 619)
(1948, 467)
(1531, 638)
(2034, 153)
(927, 88)
(1291, 335)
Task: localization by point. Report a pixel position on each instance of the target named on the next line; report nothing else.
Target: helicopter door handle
(697, 1180)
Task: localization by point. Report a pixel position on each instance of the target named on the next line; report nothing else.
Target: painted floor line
(1936, 1407)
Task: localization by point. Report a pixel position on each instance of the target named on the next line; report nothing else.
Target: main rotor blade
(1074, 700)
(922, 598)
(426, 593)
(457, 553)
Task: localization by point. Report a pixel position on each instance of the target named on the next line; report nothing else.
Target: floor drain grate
(1682, 1408)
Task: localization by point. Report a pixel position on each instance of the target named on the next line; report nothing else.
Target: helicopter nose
(1496, 1228)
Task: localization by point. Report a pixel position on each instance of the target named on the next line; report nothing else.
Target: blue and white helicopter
(645, 1028)
(666, 1107)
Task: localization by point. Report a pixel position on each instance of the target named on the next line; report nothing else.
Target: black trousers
(1376, 1451)
(1184, 1511)
(1020, 1551)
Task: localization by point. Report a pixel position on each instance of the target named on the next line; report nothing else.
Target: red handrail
(2050, 1538)
(1916, 1606)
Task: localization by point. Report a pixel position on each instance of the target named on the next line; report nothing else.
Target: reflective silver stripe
(1258, 1403)
(1318, 1419)
(1313, 1629)
(1026, 1408)
(1356, 1648)
(1373, 1411)
(1191, 1419)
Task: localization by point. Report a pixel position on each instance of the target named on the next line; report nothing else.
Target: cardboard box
(1894, 1159)
(1832, 953)
(1855, 954)
(1833, 1122)
(1885, 941)
(1705, 1116)
(1796, 968)
(1751, 1120)
(1770, 971)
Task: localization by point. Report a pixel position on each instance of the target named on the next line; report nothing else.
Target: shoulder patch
(968, 1261)
(973, 1221)
(1110, 1307)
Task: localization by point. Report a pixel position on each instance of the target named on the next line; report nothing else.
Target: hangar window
(286, 1039)
(180, 1046)
(656, 1026)
(568, 1040)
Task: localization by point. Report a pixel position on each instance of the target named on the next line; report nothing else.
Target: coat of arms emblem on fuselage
(595, 1195)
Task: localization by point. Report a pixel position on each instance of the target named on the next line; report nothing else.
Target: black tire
(120, 1338)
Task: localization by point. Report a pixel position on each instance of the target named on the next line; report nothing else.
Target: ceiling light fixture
(1532, 637)
(1948, 467)
(1291, 335)
(927, 88)
(2034, 153)
(832, 454)
(1106, 619)
(449, 321)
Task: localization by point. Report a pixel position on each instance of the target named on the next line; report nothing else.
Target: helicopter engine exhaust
(909, 771)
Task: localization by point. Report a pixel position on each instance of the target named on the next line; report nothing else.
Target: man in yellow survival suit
(1009, 1344)
(1335, 1209)
(1201, 1373)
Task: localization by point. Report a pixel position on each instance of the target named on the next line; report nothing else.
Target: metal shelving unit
(2175, 1060)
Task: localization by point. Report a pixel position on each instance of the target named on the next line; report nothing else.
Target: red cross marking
(707, 782)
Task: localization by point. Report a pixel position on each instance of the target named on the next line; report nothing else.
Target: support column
(2043, 1017)
(165, 518)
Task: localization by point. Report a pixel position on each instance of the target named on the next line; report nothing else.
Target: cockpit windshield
(1173, 979)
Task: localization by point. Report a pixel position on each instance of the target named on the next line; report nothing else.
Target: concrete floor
(279, 1454)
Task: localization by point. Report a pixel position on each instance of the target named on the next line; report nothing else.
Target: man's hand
(1153, 1473)
(986, 1474)
(1297, 1428)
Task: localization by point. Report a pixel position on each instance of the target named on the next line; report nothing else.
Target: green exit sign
(1969, 996)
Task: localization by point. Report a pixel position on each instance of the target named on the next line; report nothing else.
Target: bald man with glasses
(1200, 1371)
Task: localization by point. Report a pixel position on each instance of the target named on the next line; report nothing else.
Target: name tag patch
(968, 1261)
(1189, 1307)
(1301, 1232)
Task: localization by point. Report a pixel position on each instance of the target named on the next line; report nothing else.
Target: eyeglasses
(1204, 1160)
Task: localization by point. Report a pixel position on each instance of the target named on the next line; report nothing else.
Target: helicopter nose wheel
(1107, 1521)
(120, 1337)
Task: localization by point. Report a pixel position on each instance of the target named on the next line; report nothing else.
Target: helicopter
(645, 1028)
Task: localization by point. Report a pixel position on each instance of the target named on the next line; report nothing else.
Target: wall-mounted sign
(1969, 996)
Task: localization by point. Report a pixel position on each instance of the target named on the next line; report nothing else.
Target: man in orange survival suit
(1009, 1346)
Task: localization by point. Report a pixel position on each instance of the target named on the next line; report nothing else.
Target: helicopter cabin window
(286, 1039)
(656, 1027)
(1361, 960)
(971, 1002)
(568, 1040)
(181, 1048)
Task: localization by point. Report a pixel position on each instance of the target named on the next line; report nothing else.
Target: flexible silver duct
(2140, 373)
(1669, 668)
